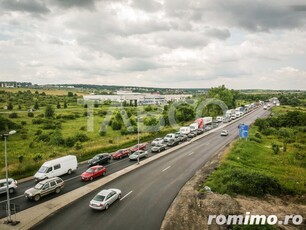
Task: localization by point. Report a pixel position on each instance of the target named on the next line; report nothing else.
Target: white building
(140, 98)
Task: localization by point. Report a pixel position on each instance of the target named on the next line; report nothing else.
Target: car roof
(51, 179)
(96, 166)
(104, 192)
(4, 180)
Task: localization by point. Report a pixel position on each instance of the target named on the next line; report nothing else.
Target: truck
(233, 114)
(194, 126)
(57, 167)
(203, 121)
(228, 114)
(185, 130)
(219, 118)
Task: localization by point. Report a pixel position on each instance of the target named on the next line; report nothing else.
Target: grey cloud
(148, 6)
(33, 6)
(90, 4)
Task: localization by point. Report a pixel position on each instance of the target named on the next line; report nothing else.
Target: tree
(58, 105)
(65, 104)
(36, 106)
(49, 111)
(70, 94)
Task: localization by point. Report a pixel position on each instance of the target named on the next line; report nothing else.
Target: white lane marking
(16, 197)
(73, 178)
(126, 195)
(190, 153)
(166, 169)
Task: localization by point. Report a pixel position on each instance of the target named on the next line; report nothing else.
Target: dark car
(121, 153)
(200, 131)
(173, 142)
(191, 135)
(158, 148)
(183, 137)
(99, 159)
(142, 146)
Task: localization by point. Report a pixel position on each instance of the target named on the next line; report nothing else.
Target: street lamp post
(9, 219)
(138, 138)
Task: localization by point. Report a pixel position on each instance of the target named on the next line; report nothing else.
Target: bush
(13, 115)
(249, 183)
(70, 141)
(83, 128)
(23, 123)
(38, 132)
(81, 137)
(116, 125)
(56, 138)
(258, 140)
(37, 121)
(275, 148)
(30, 114)
(78, 145)
(43, 138)
(257, 135)
(37, 157)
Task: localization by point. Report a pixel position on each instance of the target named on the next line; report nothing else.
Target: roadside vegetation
(272, 161)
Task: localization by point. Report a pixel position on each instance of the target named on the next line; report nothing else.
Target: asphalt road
(147, 192)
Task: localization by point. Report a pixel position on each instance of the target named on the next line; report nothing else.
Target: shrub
(83, 128)
(78, 145)
(20, 158)
(81, 137)
(43, 138)
(37, 157)
(275, 148)
(37, 121)
(258, 140)
(38, 132)
(102, 133)
(110, 141)
(257, 135)
(30, 114)
(56, 138)
(23, 122)
(24, 136)
(116, 125)
(70, 141)
(13, 115)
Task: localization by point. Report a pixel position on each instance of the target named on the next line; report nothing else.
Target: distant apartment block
(14, 84)
(138, 98)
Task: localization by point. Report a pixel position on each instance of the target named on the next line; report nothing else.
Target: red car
(93, 172)
(142, 146)
(121, 153)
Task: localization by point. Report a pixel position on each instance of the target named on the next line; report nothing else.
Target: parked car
(200, 131)
(93, 172)
(99, 159)
(157, 141)
(183, 137)
(169, 137)
(224, 132)
(105, 198)
(158, 148)
(121, 153)
(138, 154)
(142, 146)
(44, 188)
(12, 185)
(192, 135)
(173, 142)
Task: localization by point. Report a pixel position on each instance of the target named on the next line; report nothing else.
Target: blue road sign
(243, 131)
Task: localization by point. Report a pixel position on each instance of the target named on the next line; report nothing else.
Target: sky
(250, 44)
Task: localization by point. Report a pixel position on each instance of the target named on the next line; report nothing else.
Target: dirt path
(190, 209)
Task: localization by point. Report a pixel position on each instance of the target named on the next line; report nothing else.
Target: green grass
(252, 168)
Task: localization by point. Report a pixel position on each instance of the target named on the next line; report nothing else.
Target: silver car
(12, 185)
(138, 154)
(105, 198)
(44, 188)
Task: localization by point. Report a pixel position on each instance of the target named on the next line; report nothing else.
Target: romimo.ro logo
(248, 219)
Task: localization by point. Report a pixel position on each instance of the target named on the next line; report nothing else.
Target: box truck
(185, 130)
(194, 127)
(57, 167)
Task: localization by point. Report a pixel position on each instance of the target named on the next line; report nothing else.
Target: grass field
(252, 167)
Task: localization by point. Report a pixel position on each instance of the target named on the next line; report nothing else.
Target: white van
(219, 118)
(185, 130)
(57, 167)
(194, 127)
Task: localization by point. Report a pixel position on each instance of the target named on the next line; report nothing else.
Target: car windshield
(39, 185)
(90, 170)
(169, 135)
(95, 158)
(99, 198)
(43, 169)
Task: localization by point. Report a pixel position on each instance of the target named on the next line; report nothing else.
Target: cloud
(33, 6)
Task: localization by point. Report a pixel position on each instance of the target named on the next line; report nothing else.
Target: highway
(148, 191)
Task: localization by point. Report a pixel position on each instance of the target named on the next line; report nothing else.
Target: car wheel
(91, 178)
(57, 190)
(106, 207)
(69, 172)
(119, 196)
(11, 190)
(37, 197)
